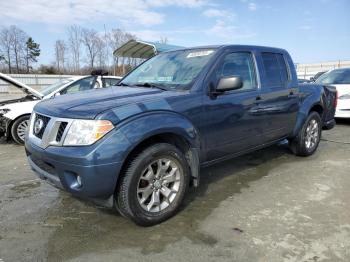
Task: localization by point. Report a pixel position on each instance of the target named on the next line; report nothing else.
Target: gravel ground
(265, 206)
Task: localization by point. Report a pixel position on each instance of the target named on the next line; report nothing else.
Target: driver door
(231, 124)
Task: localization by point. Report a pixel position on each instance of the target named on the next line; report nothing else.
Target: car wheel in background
(309, 136)
(19, 129)
(154, 184)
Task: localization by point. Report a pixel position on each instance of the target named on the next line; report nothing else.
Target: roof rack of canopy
(143, 49)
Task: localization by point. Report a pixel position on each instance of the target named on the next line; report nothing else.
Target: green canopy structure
(143, 49)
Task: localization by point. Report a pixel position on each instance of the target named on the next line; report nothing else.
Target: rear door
(279, 100)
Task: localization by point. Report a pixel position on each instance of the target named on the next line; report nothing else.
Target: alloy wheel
(158, 185)
(311, 134)
(22, 129)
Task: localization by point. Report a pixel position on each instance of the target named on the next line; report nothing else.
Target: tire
(309, 136)
(138, 188)
(17, 130)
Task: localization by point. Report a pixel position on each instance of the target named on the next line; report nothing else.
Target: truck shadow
(343, 121)
(81, 226)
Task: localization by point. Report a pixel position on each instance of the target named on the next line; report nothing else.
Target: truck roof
(227, 46)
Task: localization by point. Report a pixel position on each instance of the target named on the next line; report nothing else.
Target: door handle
(291, 94)
(258, 100)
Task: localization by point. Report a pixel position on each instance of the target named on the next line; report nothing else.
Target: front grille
(46, 120)
(50, 130)
(60, 131)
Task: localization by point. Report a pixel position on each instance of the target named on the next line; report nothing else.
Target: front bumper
(343, 108)
(96, 166)
(342, 113)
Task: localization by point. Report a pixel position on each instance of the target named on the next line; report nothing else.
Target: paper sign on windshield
(199, 53)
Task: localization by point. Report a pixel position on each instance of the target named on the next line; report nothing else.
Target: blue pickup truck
(139, 146)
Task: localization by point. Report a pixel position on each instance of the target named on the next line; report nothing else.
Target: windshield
(339, 76)
(51, 88)
(173, 70)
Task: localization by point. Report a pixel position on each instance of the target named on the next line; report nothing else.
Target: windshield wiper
(152, 86)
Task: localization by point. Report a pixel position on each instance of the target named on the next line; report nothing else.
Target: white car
(15, 113)
(340, 79)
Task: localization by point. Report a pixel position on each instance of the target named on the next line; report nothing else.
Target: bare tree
(60, 55)
(115, 41)
(92, 42)
(163, 40)
(106, 53)
(96, 47)
(18, 42)
(74, 41)
(6, 47)
(102, 58)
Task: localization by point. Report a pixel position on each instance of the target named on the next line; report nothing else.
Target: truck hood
(23, 87)
(89, 104)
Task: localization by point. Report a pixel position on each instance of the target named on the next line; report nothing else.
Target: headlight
(86, 132)
(346, 96)
(3, 111)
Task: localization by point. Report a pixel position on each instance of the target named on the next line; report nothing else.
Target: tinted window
(275, 69)
(338, 76)
(283, 68)
(238, 64)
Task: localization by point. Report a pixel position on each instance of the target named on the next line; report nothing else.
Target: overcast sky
(311, 30)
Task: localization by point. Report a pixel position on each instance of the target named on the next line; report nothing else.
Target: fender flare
(304, 111)
(144, 126)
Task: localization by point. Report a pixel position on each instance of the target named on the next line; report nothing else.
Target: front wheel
(19, 129)
(308, 138)
(154, 185)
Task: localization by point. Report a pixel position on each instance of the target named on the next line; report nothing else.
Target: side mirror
(57, 94)
(312, 79)
(229, 83)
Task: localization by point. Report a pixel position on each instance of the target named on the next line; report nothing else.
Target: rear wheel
(154, 185)
(19, 129)
(306, 142)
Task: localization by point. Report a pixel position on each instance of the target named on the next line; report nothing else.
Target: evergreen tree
(33, 52)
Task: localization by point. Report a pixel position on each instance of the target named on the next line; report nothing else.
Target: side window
(345, 78)
(238, 64)
(84, 84)
(283, 68)
(275, 69)
(111, 81)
